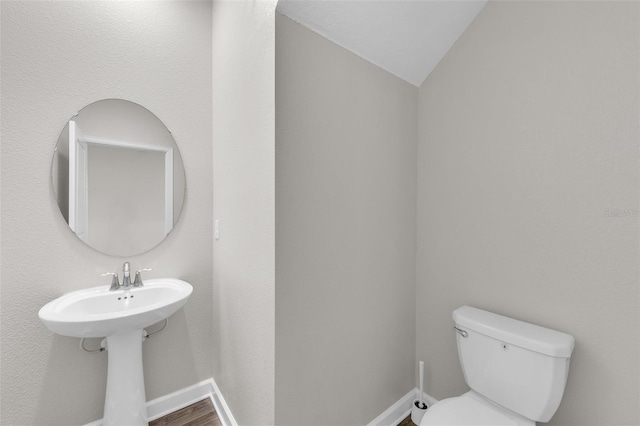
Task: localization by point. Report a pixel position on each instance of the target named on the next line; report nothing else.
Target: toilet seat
(471, 409)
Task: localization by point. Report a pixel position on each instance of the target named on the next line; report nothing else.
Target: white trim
(76, 140)
(399, 411)
(124, 144)
(184, 397)
(179, 399)
(168, 191)
(223, 410)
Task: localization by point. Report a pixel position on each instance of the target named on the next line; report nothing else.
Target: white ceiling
(405, 37)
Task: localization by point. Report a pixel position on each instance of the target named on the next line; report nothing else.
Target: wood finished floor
(199, 414)
(406, 422)
(203, 414)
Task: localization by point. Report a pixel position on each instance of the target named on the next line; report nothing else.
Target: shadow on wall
(64, 351)
(160, 353)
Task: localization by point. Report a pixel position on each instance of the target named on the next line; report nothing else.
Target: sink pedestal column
(125, 403)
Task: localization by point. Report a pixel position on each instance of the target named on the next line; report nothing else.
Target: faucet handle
(137, 282)
(115, 284)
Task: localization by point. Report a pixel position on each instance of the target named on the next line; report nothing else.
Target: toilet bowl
(517, 372)
(471, 409)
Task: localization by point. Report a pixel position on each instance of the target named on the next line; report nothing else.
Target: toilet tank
(518, 365)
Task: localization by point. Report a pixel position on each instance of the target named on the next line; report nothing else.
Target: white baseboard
(223, 410)
(179, 399)
(393, 415)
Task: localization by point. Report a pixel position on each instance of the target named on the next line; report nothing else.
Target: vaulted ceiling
(405, 37)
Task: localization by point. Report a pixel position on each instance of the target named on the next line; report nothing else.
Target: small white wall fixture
(79, 145)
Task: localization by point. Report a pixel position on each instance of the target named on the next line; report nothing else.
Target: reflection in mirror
(118, 177)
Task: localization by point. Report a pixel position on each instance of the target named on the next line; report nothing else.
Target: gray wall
(346, 140)
(243, 164)
(138, 184)
(58, 57)
(528, 193)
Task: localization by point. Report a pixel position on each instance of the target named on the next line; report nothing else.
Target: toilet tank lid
(526, 335)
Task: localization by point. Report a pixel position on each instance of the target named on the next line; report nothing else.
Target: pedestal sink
(120, 316)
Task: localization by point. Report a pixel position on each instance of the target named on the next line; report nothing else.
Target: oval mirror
(118, 177)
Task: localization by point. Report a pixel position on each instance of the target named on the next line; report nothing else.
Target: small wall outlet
(216, 229)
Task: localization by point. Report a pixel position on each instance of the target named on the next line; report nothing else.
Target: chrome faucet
(137, 282)
(126, 278)
(115, 283)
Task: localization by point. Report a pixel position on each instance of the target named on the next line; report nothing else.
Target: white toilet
(516, 371)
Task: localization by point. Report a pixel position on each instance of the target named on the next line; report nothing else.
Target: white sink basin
(98, 312)
(120, 316)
